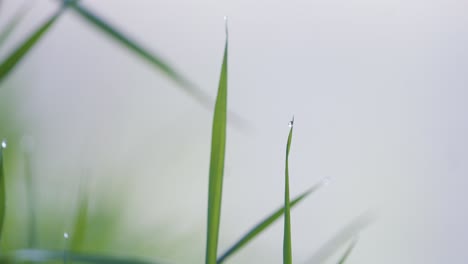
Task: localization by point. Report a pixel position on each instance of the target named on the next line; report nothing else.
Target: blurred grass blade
(81, 220)
(38, 255)
(260, 227)
(348, 251)
(2, 190)
(345, 234)
(11, 25)
(143, 53)
(287, 247)
(15, 57)
(32, 201)
(218, 147)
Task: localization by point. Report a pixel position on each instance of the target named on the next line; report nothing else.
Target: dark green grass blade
(39, 255)
(81, 220)
(348, 251)
(15, 57)
(263, 225)
(156, 61)
(218, 146)
(11, 25)
(345, 234)
(287, 248)
(2, 192)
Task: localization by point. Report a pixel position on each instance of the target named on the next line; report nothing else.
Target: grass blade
(11, 25)
(32, 201)
(218, 147)
(39, 255)
(154, 60)
(264, 224)
(81, 220)
(15, 57)
(287, 248)
(2, 189)
(345, 234)
(348, 251)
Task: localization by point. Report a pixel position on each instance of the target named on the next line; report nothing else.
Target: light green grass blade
(287, 247)
(345, 234)
(39, 255)
(2, 191)
(218, 147)
(81, 219)
(11, 25)
(264, 224)
(348, 251)
(154, 60)
(31, 200)
(15, 57)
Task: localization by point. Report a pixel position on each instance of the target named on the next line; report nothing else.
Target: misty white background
(378, 90)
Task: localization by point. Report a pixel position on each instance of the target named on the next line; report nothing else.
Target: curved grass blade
(263, 225)
(287, 247)
(154, 60)
(218, 149)
(2, 190)
(348, 251)
(39, 255)
(81, 220)
(15, 57)
(345, 234)
(11, 25)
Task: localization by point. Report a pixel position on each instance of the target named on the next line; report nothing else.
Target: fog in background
(378, 90)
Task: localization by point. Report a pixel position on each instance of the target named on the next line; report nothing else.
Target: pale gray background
(378, 90)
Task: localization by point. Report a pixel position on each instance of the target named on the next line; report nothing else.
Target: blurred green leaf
(156, 61)
(345, 234)
(2, 191)
(348, 251)
(287, 248)
(15, 57)
(11, 25)
(218, 147)
(264, 224)
(39, 255)
(32, 202)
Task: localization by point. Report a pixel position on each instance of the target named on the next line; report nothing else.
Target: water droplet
(4, 143)
(65, 235)
(291, 123)
(226, 24)
(326, 181)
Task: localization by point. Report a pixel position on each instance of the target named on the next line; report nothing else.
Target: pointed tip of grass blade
(287, 247)
(218, 147)
(346, 233)
(265, 223)
(15, 57)
(348, 250)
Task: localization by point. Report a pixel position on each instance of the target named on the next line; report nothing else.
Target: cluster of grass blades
(73, 251)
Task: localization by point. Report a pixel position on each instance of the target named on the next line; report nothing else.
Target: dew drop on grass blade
(3, 145)
(218, 147)
(287, 247)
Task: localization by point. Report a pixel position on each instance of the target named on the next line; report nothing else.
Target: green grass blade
(218, 147)
(2, 189)
(348, 251)
(264, 224)
(287, 247)
(156, 61)
(345, 234)
(32, 201)
(81, 219)
(39, 255)
(11, 25)
(15, 57)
